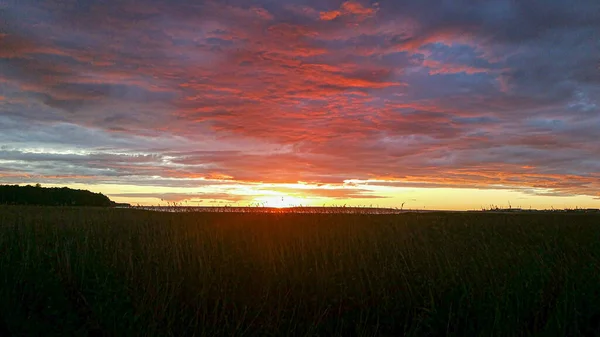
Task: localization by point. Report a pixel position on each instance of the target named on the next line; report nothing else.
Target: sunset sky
(435, 104)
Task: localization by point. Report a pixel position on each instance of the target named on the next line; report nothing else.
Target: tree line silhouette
(54, 196)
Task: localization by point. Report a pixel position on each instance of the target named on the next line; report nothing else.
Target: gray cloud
(480, 94)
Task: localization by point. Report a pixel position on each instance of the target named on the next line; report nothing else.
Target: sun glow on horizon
(303, 103)
(281, 201)
(268, 195)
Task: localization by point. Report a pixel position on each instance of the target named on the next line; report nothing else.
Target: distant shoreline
(341, 210)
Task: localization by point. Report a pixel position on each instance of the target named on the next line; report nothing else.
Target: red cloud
(298, 98)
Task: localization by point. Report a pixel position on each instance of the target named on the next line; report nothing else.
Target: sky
(434, 104)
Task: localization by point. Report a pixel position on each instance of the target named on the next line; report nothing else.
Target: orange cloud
(183, 197)
(328, 16)
(448, 36)
(350, 8)
(438, 67)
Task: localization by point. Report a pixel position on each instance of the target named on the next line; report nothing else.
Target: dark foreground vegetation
(54, 196)
(122, 272)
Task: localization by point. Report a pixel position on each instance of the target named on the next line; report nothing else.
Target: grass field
(120, 272)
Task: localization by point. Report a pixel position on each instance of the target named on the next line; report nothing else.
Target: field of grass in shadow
(120, 272)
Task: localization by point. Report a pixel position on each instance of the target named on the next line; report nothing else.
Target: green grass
(119, 272)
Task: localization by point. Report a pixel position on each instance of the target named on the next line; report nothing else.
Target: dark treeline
(42, 196)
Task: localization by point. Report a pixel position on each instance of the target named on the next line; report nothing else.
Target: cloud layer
(184, 93)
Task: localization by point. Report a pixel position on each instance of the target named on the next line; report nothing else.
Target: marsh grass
(120, 272)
